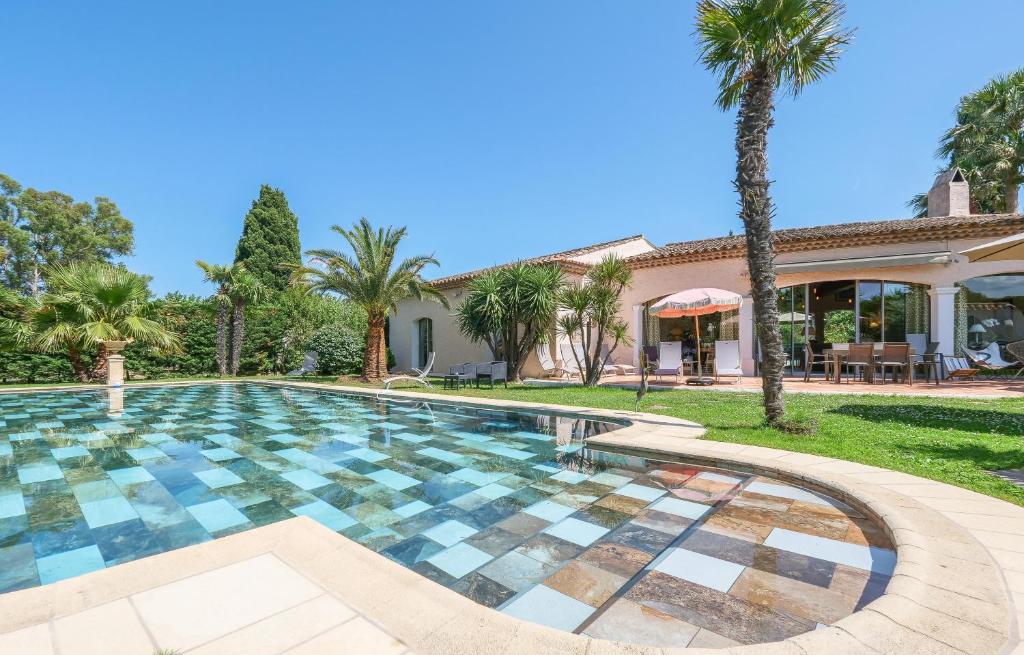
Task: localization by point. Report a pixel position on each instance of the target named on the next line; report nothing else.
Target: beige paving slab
(278, 633)
(111, 628)
(193, 611)
(355, 636)
(33, 640)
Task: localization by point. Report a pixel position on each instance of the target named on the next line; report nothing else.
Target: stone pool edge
(958, 584)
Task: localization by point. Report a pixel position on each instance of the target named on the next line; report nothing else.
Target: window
(990, 309)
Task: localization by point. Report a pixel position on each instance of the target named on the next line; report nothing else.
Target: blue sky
(493, 130)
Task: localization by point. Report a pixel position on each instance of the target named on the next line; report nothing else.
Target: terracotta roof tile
(564, 259)
(866, 233)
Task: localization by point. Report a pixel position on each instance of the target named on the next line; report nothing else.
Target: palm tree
(221, 276)
(758, 47)
(244, 288)
(988, 139)
(86, 305)
(370, 278)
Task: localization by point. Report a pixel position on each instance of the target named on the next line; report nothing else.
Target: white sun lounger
(421, 375)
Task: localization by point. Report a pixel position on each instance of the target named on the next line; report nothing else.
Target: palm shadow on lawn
(939, 417)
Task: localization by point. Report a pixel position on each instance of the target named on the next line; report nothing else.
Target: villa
(871, 281)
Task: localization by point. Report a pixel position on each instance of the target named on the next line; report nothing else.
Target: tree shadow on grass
(939, 417)
(978, 454)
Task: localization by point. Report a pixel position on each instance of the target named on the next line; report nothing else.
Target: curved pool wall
(506, 507)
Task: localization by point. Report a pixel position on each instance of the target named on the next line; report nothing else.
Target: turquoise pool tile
(39, 472)
(389, 425)
(479, 478)
(700, 569)
(534, 436)
(217, 478)
(493, 491)
(460, 560)
(640, 492)
(570, 477)
(679, 507)
(49, 425)
(368, 455)
(442, 455)
(12, 504)
(131, 475)
(157, 437)
(25, 436)
(69, 564)
(217, 515)
(307, 460)
(112, 427)
(546, 468)
(410, 437)
(222, 426)
(305, 479)
(146, 453)
(166, 425)
(95, 490)
(220, 454)
(505, 451)
(393, 479)
(548, 607)
(108, 511)
(327, 514)
(576, 531)
(411, 509)
(549, 510)
(449, 533)
(68, 452)
(286, 437)
(6, 450)
(611, 479)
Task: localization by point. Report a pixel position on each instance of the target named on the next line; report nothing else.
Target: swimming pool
(507, 508)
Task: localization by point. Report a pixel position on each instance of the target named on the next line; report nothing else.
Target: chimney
(950, 195)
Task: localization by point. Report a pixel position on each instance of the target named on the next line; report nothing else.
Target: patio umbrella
(696, 303)
(1011, 247)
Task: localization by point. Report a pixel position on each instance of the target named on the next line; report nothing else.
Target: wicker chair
(1016, 350)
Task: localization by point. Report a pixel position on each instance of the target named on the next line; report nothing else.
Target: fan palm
(243, 289)
(758, 47)
(370, 278)
(86, 305)
(221, 276)
(988, 139)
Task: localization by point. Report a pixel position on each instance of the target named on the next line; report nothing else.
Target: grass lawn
(951, 440)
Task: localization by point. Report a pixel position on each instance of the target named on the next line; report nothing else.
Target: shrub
(339, 349)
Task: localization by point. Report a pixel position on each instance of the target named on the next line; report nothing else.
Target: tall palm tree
(221, 276)
(244, 288)
(988, 139)
(370, 278)
(758, 47)
(85, 305)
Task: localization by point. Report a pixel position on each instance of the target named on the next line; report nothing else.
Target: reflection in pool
(507, 508)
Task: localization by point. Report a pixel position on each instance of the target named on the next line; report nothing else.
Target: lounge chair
(670, 359)
(569, 360)
(421, 374)
(619, 369)
(989, 359)
(1016, 349)
(309, 362)
(959, 368)
(727, 360)
(547, 364)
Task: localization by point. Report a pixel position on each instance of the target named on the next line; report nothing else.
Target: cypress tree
(270, 236)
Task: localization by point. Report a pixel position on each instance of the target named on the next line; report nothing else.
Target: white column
(638, 332)
(746, 323)
(943, 324)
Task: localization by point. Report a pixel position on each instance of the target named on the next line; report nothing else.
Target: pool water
(507, 508)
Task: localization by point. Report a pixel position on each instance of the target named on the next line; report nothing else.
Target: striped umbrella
(696, 303)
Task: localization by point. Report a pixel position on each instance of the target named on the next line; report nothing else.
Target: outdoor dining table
(869, 371)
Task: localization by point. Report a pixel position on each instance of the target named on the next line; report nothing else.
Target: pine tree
(270, 237)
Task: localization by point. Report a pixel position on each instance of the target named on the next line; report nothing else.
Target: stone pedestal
(115, 362)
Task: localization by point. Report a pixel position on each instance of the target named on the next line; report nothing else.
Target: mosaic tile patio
(506, 508)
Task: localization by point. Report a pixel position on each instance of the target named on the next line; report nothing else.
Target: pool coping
(958, 585)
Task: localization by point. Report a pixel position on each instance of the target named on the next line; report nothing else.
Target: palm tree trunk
(99, 365)
(375, 357)
(222, 339)
(1010, 196)
(237, 333)
(77, 364)
(752, 125)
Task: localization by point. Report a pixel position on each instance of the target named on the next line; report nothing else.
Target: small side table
(451, 381)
